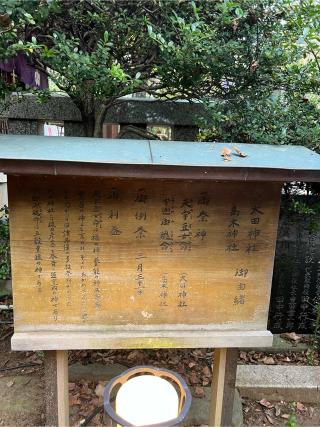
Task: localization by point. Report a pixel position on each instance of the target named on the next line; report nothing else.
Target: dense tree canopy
(285, 110)
(258, 60)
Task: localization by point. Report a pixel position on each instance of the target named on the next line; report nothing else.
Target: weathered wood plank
(62, 388)
(218, 387)
(136, 339)
(97, 254)
(50, 380)
(56, 388)
(229, 386)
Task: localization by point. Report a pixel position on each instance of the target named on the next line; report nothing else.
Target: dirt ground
(86, 396)
(20, 370)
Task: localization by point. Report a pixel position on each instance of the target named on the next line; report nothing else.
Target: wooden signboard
(110, 256)
(144, 244)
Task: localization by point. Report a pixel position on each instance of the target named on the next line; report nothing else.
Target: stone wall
(24, 116)
(296, 278)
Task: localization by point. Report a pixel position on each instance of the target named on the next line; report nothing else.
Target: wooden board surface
(102, 254)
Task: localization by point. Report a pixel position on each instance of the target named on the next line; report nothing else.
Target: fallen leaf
(205, 382)
(301, 407)
(174, 360)
(268, 360)
(72, 386)
(278, 410)
(225, 153)
(266, 404)
(194, 379)
(74, 400)
(239, 152)
(206, 371)
(191, 364)
(198, 392)
(197, 353)
(99, 390)
(270, 419)
(290, 336)
(136, 355)
(285, 416)
(10, 383)
(243, 355)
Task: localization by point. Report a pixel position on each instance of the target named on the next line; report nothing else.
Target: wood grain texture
(62, 388)
(229, 386)
(218, 387)
(50, 388)
(97, 254)
(139, 339)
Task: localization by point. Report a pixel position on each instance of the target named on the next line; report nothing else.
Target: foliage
(292, 421)
(97, 51)
(285, 108)
(5, 268)
(259, 61)
(274, 119)
(317, 328)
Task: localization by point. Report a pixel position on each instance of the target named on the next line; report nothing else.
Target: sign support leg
(62, 388)
(223, 384)
(56, 386)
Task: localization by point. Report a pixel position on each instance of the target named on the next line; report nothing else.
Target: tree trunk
(93, 122)
(88, 124)
(99, 119)
(93, 114)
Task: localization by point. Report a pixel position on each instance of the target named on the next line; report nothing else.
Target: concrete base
(95, 372)
(22, 401)
(279, 345)
(280, 382)
(199, 411)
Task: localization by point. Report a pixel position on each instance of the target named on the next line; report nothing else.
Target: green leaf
(239, 12)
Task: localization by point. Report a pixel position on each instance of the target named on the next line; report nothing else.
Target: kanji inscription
(99, 253)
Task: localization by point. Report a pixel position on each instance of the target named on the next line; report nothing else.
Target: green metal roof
(172, 159)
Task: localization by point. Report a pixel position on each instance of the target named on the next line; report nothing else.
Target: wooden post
(222, 389)
(56, 386)
(62, 388)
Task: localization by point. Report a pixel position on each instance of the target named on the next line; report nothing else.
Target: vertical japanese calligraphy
(117, 252)
(183, 290)
(83, 273)
(254, 232)
(185, 235)
(167, 221)
(66, 248)
(233, 230)
(139, 278)
(164, 290)
(241, 274)
(97, 224)
(305, 297)
(37, 219)
(54, 299)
